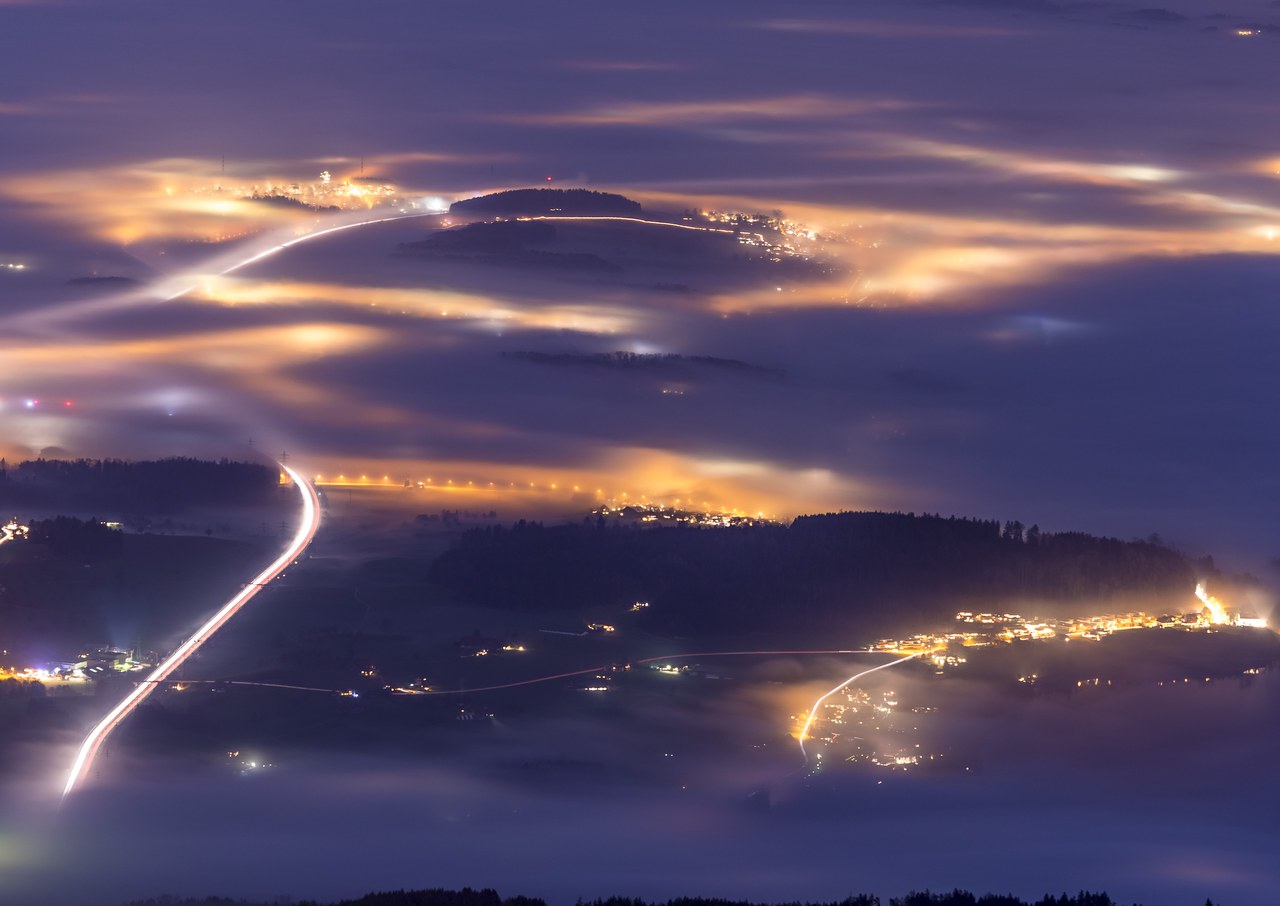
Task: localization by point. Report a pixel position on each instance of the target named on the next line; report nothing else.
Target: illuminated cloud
(699, 113)
(487, 312)
(171, 199)
(398, 158)
(1051, 299)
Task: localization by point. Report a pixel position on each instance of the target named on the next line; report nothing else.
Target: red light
(548, 179)
(67, 403)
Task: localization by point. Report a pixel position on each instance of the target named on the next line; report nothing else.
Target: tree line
(534, 202)
(162, 485)
(875, 572)
(69, 538)
(490, 897)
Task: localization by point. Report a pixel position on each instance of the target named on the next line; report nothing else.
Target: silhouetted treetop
(536, 202)
(489, 897)
(70, 538)
(438, 897)
(153, 485)
(869, 572)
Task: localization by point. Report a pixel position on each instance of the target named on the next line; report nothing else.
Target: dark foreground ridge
(489, 897)
(504, 242)
(873, 572)
(549, 202)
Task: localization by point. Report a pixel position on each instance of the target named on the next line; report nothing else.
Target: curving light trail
(804, 731)
(51, 315)
(98, 735)
(47, 316)
(268, 252)
(643, 660)
(614, 217)
(528, 682)
(214, 682)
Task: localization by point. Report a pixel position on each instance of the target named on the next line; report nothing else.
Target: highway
(813, 712)
(98, 735)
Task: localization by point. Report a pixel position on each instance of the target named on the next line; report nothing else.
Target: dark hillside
(548, 202)
(873, 573)
(155, 486)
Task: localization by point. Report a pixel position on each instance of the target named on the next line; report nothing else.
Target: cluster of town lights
(942, 649)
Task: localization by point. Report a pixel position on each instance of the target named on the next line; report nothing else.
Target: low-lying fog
(1158, 794)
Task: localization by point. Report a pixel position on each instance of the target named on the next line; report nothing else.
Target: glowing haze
(1047, 233)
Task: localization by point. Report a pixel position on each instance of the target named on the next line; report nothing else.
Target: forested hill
(163, 485)
(489, 897)
(873, 573)
(542, 202)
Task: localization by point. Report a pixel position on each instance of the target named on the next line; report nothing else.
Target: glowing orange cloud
(425, 303)
(678, 113)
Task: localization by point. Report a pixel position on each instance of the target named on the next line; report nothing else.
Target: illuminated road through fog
(1019, 264)
(309, 524)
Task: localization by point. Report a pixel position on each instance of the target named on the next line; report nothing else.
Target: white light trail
(48, 316)
(804, 731)
(268, 252)
(659, 223)
(98, 735)
(643, 660)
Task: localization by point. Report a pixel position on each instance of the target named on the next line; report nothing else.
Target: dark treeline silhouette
(153, 485)
(860, 900)
(464, 897)
(488, 897)
(871, 572)
(168, 900)
(964, 898)
(26, 689)
(534, 202)
(70, 538)
(109, 281)
(287, 201)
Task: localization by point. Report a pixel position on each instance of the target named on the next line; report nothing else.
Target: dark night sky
(1056, 221)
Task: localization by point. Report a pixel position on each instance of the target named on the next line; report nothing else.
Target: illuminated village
(351, 194)
(92, 663)
(874, 729)
(655, 514)
(946, 649)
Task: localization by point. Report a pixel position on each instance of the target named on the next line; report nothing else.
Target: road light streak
(98, 735)
(647, 660)
(804, 731)
(647, 222)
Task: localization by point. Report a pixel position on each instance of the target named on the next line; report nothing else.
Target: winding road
(98, 735)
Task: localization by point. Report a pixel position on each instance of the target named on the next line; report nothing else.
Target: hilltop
(548, 202)
(870, 572)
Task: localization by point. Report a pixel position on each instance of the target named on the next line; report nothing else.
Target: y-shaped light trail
(804, 731)
(44, 320)
(98, 735)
